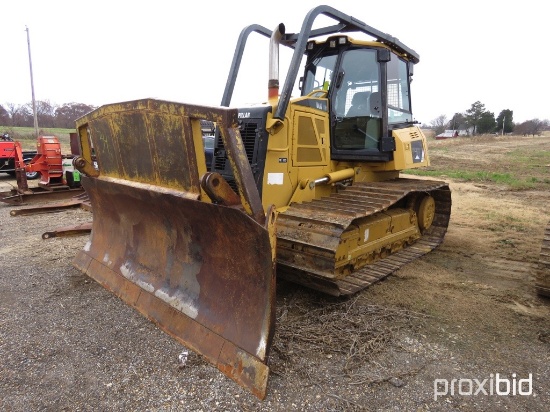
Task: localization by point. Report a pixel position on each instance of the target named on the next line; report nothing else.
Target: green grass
(479, 176)
(524, 167)
(530, 159)
(25, 135)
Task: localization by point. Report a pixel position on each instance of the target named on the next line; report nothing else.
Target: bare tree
(4, 116)
(12, 109)
(532, 127)
(45, 112)
(439, 124)
(65, 115)
(20, 115)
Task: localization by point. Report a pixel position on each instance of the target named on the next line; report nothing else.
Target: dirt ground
(465, 312)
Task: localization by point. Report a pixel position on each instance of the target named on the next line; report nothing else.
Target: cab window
(319, 74)
(399, 105)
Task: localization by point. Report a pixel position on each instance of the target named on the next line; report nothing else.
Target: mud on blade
(203, 272)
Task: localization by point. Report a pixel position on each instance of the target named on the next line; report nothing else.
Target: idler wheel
(426, 212)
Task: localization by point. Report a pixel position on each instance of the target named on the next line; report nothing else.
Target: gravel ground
(462, 312)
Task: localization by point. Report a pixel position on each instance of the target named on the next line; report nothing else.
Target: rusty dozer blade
(203, 271)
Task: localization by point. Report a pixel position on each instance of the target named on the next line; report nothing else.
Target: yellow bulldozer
(305, 188)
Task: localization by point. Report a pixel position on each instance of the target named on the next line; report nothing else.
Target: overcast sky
(99, 52)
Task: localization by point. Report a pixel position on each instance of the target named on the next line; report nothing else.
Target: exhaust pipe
(275, 41)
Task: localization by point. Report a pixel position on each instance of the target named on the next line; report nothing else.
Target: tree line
(49, 115)
(478, 120)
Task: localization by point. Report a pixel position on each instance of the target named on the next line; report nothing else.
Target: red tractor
(47, 163)
(7, 157)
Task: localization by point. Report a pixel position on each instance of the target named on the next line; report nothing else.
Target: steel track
(309, 233)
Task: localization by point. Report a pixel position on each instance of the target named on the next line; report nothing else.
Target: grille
(219, 164)
(248, 135)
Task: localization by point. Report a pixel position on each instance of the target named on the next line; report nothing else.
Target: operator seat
(359, 105)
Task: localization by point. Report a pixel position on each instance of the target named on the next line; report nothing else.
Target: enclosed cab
(354, 112)
(351, 128)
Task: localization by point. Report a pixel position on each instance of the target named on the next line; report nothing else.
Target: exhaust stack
(275, 41)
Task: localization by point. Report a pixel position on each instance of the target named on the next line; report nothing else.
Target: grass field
(516, 162)
(25, 135)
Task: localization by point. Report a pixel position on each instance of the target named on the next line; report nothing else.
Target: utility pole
(503, 123)
(32, 86)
